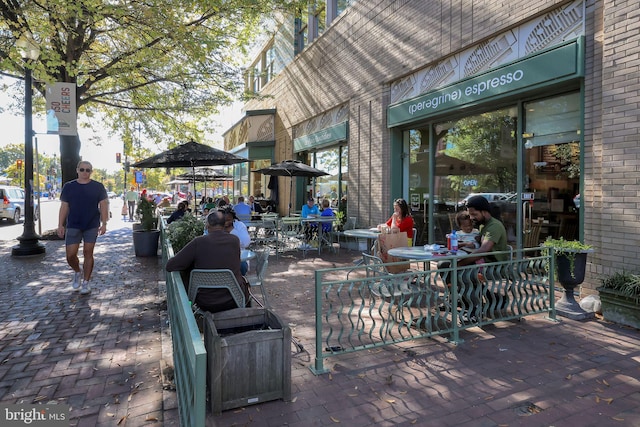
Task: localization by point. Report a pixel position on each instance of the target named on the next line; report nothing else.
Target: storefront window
(473, 155)
(477, 154)
(260, 181)
(552, 165)
(327, 186)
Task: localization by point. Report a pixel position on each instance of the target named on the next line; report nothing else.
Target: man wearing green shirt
(493, 235)
(130, 199)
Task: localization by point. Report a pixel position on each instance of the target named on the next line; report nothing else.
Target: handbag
(388, 241)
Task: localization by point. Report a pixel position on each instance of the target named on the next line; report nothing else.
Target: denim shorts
(74, 236)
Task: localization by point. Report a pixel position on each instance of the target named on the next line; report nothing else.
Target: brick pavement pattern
(105, 355)
(100, 353)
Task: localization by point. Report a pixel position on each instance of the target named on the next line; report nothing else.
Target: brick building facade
(358, 70)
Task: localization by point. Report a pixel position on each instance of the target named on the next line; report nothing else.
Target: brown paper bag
(390, 241)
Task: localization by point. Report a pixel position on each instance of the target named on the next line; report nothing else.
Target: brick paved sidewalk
(101, 353)
(104, 355)
(529, 373)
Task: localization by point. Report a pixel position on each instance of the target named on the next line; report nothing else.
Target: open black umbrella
(190, 155)
(291, 168)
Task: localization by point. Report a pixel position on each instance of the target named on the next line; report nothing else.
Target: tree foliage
(163, 64)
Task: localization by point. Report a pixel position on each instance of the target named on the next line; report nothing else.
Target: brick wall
(371, 44)
(378, 41)
(614, 217)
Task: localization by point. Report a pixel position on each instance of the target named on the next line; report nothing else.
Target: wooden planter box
(248, 358)
(620, 309)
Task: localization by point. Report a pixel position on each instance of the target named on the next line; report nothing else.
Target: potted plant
(145, 239)
(340, 220)
(571, 262)
(620, 297)
(183, 231)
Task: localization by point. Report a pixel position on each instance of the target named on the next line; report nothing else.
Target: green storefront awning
(554, 65)
(322, 138)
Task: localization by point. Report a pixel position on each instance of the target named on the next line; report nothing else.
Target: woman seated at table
(326, 212)
(400, 221)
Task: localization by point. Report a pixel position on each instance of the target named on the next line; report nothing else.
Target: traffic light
(19, 164)
(118, 158)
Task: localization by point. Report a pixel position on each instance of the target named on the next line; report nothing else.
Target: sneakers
(77, 277)
(86, 288)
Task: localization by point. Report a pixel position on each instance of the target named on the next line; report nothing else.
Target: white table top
(418, 252)
(367, 233)
(246, 254)
(319, 219)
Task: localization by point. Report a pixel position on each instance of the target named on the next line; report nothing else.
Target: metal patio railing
(362, 307)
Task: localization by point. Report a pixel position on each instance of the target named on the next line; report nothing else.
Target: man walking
(130, 199)
(84, 212)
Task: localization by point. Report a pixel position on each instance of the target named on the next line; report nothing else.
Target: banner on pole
(61, 109)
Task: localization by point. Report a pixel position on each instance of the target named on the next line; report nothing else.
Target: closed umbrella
(291, 168)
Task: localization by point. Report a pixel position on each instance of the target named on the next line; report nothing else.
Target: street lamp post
(29, 241)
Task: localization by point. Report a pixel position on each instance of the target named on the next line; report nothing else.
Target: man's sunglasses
(84, 170)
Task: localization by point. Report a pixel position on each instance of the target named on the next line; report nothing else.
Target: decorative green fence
(363, 307)
(189, 355)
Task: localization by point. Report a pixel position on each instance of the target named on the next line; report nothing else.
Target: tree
(9, 154)
(165, 65)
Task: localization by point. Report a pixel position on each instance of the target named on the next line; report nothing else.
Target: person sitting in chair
(215, 250)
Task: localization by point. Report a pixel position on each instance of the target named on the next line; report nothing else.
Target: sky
(101, 157)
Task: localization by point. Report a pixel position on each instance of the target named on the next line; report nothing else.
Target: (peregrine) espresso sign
(563, 62)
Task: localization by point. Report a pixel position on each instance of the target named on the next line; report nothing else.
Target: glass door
(551, 140)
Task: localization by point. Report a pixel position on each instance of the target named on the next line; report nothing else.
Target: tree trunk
(69, 156)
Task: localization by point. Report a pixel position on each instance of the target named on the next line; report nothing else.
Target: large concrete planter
(619, 308)
(571, 266)
(145, 243)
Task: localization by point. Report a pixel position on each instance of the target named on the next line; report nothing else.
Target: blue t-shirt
(83, 200)
(325, 225)
(306, 211)
(242, 209)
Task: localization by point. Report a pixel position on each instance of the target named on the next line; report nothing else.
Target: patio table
(246, 254)
(322, 239)
(364, 233)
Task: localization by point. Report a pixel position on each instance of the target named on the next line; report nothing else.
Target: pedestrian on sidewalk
(84, 212)
(131, 198)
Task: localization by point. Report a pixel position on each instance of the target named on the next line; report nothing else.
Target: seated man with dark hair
(215, 250)
(179, 213)
(493, 238)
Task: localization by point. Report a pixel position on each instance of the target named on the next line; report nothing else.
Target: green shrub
(623, 282)
(147, 211)
(184, 230)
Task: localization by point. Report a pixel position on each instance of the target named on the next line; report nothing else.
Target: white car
(491, 197)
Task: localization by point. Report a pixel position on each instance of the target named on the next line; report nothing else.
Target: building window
(319, 19)
(342, 5)
(302, 32)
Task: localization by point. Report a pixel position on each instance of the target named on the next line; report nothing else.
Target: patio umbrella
(190, 154)
(291, 168)
(205, 175)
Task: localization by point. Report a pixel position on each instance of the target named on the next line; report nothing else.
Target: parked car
(491, 197)
(111, 194)
(13, 204)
